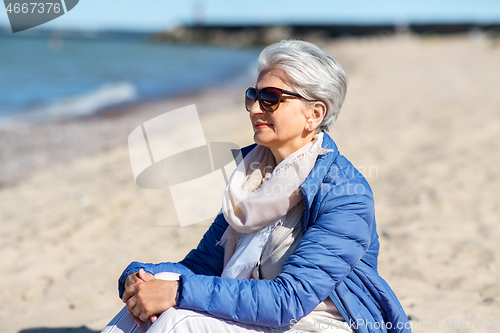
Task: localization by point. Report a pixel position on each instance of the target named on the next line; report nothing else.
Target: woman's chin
(262, 139)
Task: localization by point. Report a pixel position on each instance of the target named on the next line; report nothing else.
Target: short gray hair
(312, 73)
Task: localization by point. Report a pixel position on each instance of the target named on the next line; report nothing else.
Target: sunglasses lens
(269, 99)
(250, 98)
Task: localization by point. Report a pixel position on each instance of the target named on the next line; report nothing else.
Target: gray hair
(312, 73)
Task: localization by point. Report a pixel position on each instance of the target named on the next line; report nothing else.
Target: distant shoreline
(258, 35)
(261, 35)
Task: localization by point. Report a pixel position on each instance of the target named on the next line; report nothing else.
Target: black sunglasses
(269, 98)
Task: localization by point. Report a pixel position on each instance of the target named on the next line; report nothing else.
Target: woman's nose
(255, 109)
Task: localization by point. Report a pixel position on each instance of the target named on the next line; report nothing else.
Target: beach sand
(421, 121)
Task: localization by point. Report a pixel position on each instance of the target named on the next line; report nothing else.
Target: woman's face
(284, 130)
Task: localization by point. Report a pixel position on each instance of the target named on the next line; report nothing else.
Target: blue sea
(56, 76)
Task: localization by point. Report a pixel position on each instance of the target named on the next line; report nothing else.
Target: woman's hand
(135, 278)
(149, 298)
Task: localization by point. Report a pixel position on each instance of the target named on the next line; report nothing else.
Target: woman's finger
(133, 279)
(131, 303)
(129, 292)
(143, 316)
(145, 276)
(136, 320)
(136, 311)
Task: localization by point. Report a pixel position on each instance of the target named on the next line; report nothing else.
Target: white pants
(176, 320)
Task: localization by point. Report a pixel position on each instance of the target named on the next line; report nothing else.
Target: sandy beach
(421, 121)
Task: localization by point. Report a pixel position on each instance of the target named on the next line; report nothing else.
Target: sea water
(55, 76)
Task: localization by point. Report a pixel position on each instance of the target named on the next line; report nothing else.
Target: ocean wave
(89, 103)
(83, 104)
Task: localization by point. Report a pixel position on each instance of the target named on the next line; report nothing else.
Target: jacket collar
(309, 188)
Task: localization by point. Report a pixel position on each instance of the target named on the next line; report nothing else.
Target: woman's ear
(318, 111)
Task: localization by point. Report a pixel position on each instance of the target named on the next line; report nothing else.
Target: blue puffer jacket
(336, 258)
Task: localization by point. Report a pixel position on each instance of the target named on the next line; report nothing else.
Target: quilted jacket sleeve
(206, 259)
(327, 252)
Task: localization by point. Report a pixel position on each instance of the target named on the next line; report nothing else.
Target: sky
(158, 15)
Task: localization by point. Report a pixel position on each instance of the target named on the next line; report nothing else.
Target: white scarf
(257, 197)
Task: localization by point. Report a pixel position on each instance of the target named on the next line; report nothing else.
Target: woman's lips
(262, 125)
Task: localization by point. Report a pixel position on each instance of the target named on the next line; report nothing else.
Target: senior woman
(295, 246)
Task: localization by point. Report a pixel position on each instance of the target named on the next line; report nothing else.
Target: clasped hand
(147, 297)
